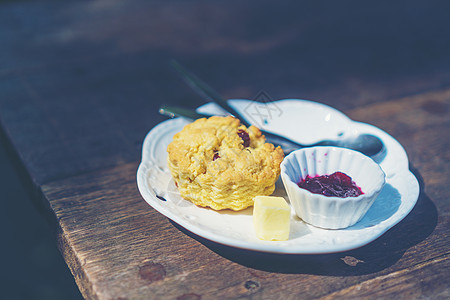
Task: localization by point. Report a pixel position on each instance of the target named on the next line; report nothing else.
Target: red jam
(337, 184)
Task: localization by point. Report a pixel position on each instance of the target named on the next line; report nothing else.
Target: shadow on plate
(384, 207)
(374, 257)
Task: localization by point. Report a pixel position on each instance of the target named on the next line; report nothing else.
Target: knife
(206, 91)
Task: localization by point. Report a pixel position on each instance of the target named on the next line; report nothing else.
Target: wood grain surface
(81, 83)
(119, 247)
(88, 78)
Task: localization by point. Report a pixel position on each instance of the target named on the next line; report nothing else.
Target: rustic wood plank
(117, 246)
(69, 129)
(424, 280)
(89, 79)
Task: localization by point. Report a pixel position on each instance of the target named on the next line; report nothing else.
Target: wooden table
(81, 82)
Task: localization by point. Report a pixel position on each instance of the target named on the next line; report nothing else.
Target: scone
(219, 163)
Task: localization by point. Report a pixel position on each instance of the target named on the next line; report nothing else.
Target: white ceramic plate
(306, 122)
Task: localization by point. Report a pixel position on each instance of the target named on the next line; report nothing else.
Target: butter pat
(271, 218)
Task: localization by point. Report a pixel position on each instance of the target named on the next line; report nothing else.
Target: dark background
(32, 267)
(110, 58)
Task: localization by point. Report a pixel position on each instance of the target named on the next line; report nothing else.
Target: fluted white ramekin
(331, 212)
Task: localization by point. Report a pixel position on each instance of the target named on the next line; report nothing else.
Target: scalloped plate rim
(263, 246)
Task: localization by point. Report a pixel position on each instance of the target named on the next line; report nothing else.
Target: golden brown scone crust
(212, 167)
